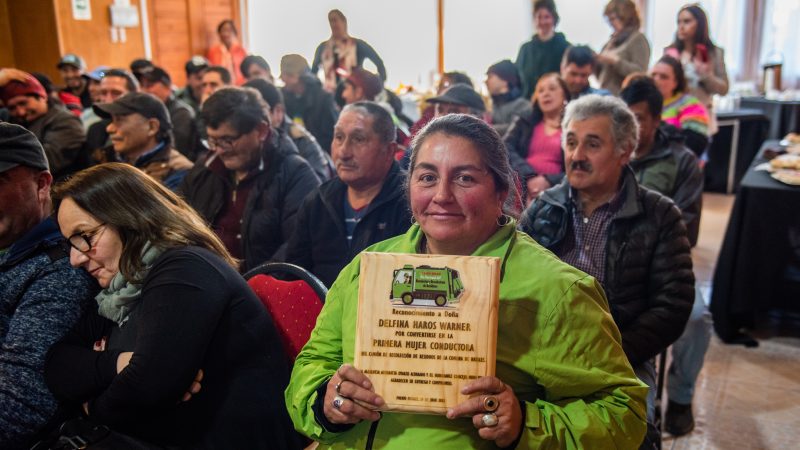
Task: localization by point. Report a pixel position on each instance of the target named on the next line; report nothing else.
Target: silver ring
(490, 403)
(337, 402)
(489, 419)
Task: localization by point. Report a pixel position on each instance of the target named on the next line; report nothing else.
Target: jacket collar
(560, 194)
(46, 233)
(332, 192)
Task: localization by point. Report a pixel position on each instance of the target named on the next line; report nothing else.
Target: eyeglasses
(224, 143)
(82, 241)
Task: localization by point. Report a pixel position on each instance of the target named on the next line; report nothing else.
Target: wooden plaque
(427, 325)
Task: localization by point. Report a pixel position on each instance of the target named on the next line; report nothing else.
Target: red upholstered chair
(293, 305)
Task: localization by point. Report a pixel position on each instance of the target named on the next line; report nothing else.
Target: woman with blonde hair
(627, 51)
(179, 351)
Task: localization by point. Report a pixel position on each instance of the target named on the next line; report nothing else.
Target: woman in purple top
(534, 142)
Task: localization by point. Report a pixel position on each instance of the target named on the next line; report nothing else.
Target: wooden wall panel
(34, 36)
(92, 39)
(170, 37)
(6, 42)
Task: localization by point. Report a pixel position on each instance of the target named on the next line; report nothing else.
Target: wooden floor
(746, 398)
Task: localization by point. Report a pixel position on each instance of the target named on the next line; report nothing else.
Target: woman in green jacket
(562, 379)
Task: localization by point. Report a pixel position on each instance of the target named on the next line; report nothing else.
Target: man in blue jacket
(41, 295)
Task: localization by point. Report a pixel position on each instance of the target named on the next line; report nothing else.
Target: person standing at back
(627, 51)
(542, 54)
(703, 62)
(343, 53)
(229, 52)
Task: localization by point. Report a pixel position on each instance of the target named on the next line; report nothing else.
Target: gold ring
(490, 403)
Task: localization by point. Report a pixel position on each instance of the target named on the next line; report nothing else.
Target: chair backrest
(293, 305)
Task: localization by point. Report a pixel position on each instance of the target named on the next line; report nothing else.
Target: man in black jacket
(306, 102)
(364, 205)
(251, 183)
(630, 238)
(662, 163)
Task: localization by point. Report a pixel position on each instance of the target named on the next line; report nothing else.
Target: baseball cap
(460, 94)
(196, 64)
(19, 147)
(157, 75)
(71, 59)
(136, 102)
(97, 74)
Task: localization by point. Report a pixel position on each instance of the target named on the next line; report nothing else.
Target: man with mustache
(633, 240)
(252, 181)
(363, 205)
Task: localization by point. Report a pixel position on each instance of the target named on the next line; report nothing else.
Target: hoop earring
(413, 220)
(503, 220)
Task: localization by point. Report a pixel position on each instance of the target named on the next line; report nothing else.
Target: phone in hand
(702, 52)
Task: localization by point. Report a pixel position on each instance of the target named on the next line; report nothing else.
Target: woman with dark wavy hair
(179, 352)
(703, 61)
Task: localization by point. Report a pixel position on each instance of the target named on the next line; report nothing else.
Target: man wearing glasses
(41, 295)
(251, 184)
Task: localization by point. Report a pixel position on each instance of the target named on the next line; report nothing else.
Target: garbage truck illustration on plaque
(425, 284)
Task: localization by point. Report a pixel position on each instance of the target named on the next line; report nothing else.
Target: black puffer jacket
(649, 279)
(315, 107)
(268, 219)
(319, 243)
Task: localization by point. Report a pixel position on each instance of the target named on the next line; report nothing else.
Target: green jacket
(557, 346)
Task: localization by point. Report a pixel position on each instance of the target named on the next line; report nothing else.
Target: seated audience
(254, 66)
(632, 239)
(60, 132)
(140, 135)
(503, 82)
(662, 163)
(627, 51)
(306, 102)
(534, 141)
(342, 53)
(458, 99)
(428, 110)
(562, 379)
(249, 186)
(61, 98)
(362, 206)
(140, 66)
(228, 52)
(72, 70)
(192, 93)
(184, 127)
(681, 109)
(88, 117)
(179, 352)
(577, 66)
(213, 79)
(114, 84)
(41, 296)
(306, 145)
(543, 53)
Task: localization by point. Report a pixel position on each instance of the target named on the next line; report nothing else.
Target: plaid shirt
(585, 246)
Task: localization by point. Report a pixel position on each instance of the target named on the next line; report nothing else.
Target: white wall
(478, 33)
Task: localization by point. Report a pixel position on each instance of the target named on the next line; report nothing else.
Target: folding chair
(293, 305)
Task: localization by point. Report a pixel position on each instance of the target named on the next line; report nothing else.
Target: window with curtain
(782, 39)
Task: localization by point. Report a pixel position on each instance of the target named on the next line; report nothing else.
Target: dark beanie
(19, 147)
(507, 71)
